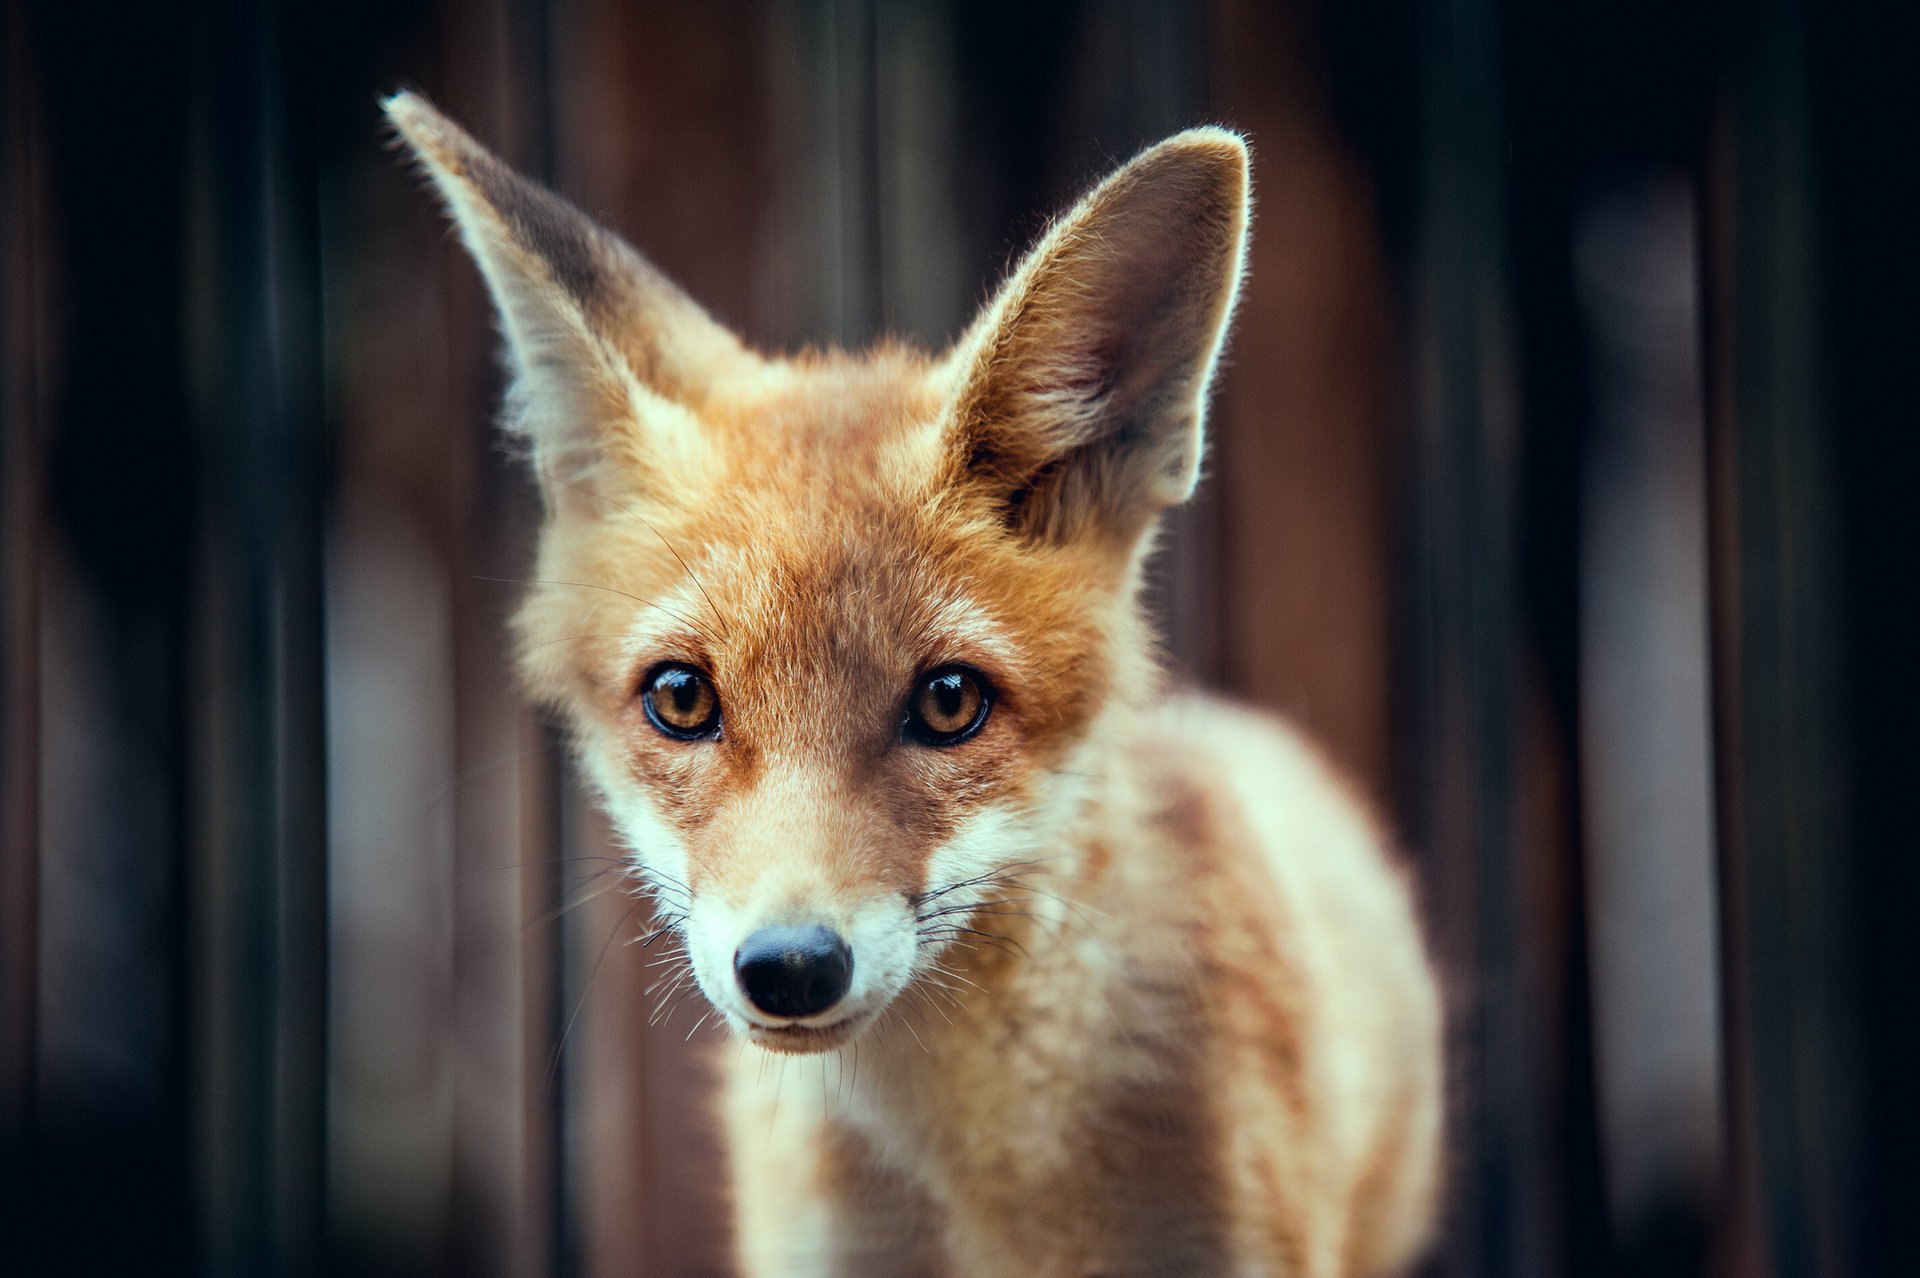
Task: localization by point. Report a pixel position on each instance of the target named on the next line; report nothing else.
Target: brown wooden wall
(1549, 486)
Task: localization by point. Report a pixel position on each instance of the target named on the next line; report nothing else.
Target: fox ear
(1083, 385)
(608, 356)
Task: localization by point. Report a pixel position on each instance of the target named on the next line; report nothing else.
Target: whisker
(930, 990)
(779, 1083)
(673, 955)
(672, 977)
(604, 634)
(726, 624)
(555, 914)
(659, 877)
(678, 1003)
(646, 942)
(1003, 943)
(1002, 874)
(661, 1011)
(949, 972)
(923, 1003)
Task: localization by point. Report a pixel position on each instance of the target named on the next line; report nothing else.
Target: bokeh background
(1553, 487)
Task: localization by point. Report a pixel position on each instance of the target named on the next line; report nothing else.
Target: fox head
(838, 634)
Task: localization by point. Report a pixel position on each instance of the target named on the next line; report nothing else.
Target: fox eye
(947, 706)
(681, 702)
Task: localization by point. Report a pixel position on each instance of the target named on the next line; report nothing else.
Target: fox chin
(851, 646)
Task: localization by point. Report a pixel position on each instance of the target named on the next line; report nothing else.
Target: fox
(1120, 979)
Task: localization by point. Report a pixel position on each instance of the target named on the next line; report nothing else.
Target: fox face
(839, 635)
(835, 721)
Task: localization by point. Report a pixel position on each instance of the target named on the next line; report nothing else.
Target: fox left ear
(608, 356)
(1083, 386)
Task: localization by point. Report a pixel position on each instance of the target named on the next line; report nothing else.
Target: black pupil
(949, 696)
(683, 694)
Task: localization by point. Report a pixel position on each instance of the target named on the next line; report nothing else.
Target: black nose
(794, 971)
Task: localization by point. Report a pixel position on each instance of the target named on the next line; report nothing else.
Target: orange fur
(1178, 1018)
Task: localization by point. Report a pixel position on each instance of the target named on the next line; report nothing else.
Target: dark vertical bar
(1464, 657)
(20, 515)
(1859, 56)
(1773, 392)
(233, 887)
(1549, 145)
(542, 984)
(259, 875)
(295, 485)
(1796, 599)
(121, 481)
(235, 891)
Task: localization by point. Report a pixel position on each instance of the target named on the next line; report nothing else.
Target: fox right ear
(1084, 384)
(608, 356)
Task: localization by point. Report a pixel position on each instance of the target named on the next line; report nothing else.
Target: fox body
(1115, 980)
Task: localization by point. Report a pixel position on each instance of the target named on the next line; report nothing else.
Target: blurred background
(1551, 487)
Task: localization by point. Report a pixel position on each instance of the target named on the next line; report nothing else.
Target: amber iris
(681, 702)
(947, 706)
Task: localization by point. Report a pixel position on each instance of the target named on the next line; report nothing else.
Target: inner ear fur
(1083, 385)
(607, 355)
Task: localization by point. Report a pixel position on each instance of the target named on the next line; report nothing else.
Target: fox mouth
(804, 1040)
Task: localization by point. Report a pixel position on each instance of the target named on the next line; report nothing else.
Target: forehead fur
(825, 537)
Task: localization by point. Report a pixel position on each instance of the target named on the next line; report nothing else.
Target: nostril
(794, 971)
